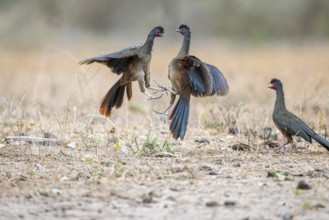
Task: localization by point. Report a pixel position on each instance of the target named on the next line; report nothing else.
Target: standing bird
(133, 63)
(190, 76)
(288, 123)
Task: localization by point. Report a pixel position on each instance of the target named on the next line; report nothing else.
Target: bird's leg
(172, 100)
(142, 89)
(153, 88)
(147, 77)
(294, 146)
(147, 80)
(151, 97)
(164, 112)
(289, 141)
(162, 88)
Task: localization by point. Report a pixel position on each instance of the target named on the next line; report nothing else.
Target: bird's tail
(114, 98)
(179, 117)
(322, 141)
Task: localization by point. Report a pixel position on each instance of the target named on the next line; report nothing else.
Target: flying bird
(133, 64)
(190, 76)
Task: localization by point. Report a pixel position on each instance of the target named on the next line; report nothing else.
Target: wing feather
(117, 61)
(219, 82)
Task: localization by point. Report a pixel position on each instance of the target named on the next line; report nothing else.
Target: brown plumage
(133, 63)
(190, 76)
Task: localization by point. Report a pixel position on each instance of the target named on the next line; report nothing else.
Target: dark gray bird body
(133, 63)
(190, 76)
(288, 123)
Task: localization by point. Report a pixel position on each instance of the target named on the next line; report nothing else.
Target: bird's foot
(294, 147)
(161, 113)
(155, 89)
(165, 112)
(287, 147)
(162, 88)
(281, 149)
(151, 97)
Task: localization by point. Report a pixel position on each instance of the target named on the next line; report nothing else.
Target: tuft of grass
(324, 127)
(137, 109)
(31, 174)
(277, 175)
(274, 136)
(299, 192)
(117, 145)
(101, 175)
(167, 147)
(90, 160)
(308, 206)
(151, 146)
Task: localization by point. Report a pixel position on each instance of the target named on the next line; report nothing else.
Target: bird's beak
(179, 31)
(160, 34)
(272, 86)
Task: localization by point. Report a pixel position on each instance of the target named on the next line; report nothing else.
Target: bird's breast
(178, 76)
(134, 71)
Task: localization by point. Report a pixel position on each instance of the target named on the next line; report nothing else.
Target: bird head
(183, 29)
(158, 31)
(275, 83)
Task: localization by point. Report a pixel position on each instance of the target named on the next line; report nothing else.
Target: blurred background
(37, 23)
(250, 41)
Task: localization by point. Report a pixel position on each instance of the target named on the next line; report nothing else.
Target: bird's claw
(161, 113)
(283, 148)
(165, 112)
(157, 97)
(151, 97)
(155, 89)
(163, 88)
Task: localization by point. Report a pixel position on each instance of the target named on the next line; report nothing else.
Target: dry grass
(109, 172)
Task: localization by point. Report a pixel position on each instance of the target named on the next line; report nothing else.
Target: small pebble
(8, 175)
(233, 131)
(303, 185)
(229, 203)
(56, 192)
(202, 141)
(212, 204)
(49, 135)
(213, 173)
(240, 147)
(148, 198)
(287, 216)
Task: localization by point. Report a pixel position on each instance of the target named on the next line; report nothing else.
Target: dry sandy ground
(196, 181)
(137, 171)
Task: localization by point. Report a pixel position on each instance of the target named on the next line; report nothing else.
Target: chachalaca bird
(288, 123)
(133, 63)
(190, 76)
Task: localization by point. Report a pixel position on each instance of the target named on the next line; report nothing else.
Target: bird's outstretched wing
(117, 61)
(219, 82)
(198, 75)
(205, 79)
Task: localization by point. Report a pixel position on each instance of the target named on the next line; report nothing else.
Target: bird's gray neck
(148, 45)
(279, 102)
(184, 50)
